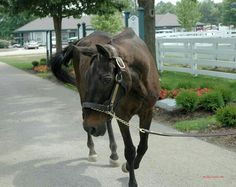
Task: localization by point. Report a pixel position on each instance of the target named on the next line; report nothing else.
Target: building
(36, 30)
(167, 21)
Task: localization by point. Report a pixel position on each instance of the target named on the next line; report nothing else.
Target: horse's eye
(106, 79)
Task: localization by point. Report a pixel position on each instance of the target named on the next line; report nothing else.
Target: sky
(174, 1)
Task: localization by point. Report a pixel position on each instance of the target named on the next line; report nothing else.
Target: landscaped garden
(208, 104)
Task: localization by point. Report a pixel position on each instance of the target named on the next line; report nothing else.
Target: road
(43, 144)
(22, 51)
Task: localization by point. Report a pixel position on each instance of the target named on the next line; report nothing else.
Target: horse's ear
(87, 51)
(104, 50)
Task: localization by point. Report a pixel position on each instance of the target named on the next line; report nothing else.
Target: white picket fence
(207, 56)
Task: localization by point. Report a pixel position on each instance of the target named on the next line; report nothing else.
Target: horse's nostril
(93, 130)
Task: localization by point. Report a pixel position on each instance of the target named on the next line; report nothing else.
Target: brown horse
(113, 74)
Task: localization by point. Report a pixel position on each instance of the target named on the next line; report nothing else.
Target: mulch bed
(170, 118)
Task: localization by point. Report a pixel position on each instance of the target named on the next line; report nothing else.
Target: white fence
(207, 56)
(198, 34)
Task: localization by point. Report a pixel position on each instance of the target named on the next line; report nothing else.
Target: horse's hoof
(114, 163)
(92, 158)
(124, 169)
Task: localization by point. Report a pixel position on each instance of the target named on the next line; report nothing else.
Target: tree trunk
(57, 21)
(149, 25)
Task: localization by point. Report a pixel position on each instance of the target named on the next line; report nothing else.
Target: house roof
(45, 24)
(167, 20)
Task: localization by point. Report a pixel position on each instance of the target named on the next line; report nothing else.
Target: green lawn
(23, 61)
(196, 124)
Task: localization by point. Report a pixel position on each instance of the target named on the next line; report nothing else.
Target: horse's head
(102, 76)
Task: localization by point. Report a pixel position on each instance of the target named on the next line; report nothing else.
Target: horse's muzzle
(95, 129)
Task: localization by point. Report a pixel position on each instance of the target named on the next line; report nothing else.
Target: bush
(35, 63)
(206, 85)
(226, 94)
(186, 85)
(165, 86)
(211, 101)
(188, 100)
(4, 44)
(227, 116)
(43, 61)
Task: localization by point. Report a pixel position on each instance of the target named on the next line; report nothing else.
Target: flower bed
(173, 93)
(41, 68)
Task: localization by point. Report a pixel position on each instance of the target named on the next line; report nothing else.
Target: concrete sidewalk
(43, 144)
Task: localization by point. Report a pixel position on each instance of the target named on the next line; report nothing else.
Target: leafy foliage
(9, 23)
(59, 9)
(35, 63)
(226, 93)
(227, 116)
(186, 85)
(210, 12)
(4, 44)
(108, 23)
(188, 13)
(211, 101)
(43, 61)
(229, 12)
(188, 100)
(163, 8)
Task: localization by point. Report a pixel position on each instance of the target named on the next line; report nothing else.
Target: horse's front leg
(113, 146)
(145, 122)
(129, 154)
(92, 153)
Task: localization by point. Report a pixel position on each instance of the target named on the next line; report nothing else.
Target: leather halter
(109, 107)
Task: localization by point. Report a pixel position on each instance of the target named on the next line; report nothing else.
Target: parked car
(16, 45)
(72, 39)
(31, 45)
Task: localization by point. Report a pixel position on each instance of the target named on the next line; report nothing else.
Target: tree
(108, 23)
(58, 9)
(163, 8)
(9, 23)
(210, 12)
(188, 13)
(149, 24)
(229, 12)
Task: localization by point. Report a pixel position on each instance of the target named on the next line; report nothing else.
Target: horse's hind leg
(145, 122)
(92, 153)
(113, 146)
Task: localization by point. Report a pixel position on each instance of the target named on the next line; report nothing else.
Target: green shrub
(226, 94)
(188, 100)
(211, 101)
(35, 63)
(43, 61)
(227, 116)
(186, 85)
(4, 44)
(165, 86)
(206, 85)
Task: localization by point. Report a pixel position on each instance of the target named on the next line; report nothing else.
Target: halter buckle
(119, 77)
(120, 62)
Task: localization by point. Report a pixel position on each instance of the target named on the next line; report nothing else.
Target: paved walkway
(42, 144)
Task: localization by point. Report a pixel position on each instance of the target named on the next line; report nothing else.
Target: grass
(23, 62)
(172, 79)
(198, 124)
